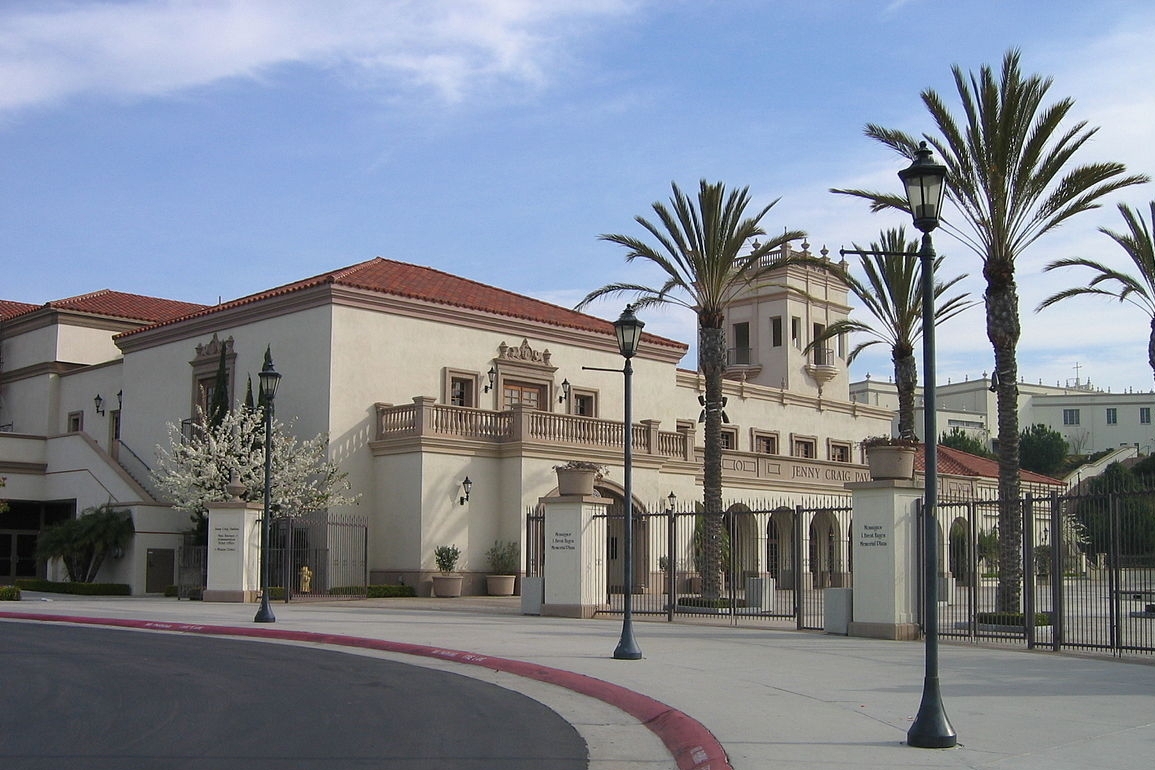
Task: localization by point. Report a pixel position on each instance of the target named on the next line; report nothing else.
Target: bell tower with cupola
(770, 324)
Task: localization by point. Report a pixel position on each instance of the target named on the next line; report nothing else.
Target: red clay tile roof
(429, 285)
(11, 309)
(113, 304)
(956, 462)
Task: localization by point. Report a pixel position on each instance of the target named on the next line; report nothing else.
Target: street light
(925, 185)
(270, 378)
(628, 330)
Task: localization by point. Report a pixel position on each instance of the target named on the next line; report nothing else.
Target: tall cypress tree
(219, 405)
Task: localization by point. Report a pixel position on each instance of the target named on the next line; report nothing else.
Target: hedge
(80, 589)
(389, 592)
(9, 593)
(1016, 619)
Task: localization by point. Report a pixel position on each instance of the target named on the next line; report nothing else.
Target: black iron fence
(318, 556)
(1088, 572)
(1087, 560)
(767, 561)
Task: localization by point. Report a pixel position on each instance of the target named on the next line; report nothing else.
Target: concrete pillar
(885, 563)
(575, 551)
(234, 552)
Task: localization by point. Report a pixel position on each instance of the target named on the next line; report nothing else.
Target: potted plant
(503, 564)
(577, 477)
(446, 583)
(890, 457)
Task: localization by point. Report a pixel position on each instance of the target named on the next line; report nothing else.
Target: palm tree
(1009, 177)
(892, 294)
(1140, 291)
(706, 253)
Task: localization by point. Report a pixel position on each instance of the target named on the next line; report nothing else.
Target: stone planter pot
(500, 585)
(890, 462)
(447, 586)
(576, 481)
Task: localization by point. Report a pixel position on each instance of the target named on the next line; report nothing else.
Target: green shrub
(721, 603)
(504, 558)
(390, 592)
(1016, 619)
(172, 591)
(79, 589)
(9, 593)
(347, 591)
(446, 557)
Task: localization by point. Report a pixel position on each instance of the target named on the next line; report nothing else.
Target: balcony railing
(739, 356)
(425, 417)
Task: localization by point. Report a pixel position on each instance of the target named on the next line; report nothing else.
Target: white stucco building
(1090, 419)
(421, 379)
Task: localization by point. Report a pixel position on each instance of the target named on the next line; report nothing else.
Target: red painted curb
(692, 745)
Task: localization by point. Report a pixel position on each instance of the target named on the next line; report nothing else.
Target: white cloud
(144, 49)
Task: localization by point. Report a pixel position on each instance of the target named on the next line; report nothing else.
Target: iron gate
(319, 556)
(773, 562)
(1088, 566)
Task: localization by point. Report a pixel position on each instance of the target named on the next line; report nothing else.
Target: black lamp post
(270, 378)
(629, 332)
(925, 185)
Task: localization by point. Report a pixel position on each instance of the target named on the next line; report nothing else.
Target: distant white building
(1091, 420)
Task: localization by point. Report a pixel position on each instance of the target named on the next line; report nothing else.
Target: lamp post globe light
(628, 330)
(270, 379)
(925, 186)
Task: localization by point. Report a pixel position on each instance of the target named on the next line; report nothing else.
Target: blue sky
(205, 150)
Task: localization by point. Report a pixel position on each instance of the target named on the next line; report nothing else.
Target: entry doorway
(160, 572)
(20, 533)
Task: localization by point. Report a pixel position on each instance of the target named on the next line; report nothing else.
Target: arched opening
(825, 557)
(960, 552)
(742, 530)
(780, 547)
(615, 543)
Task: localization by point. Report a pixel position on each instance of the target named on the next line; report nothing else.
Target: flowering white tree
(193, 471)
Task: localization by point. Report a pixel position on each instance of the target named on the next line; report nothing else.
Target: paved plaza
(712, 695)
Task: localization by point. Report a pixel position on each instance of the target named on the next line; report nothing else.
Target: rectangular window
(206, 386)
(1112, 415)
(766, 443)
(461, 391)
(75, 422)
(776, 331)
(729, 439)
(1070, 416)
(839, 453)
(821, 352)
(805, 448)
(741, 351)
(533, 396)
(584, 404)
(796, 332)
(1145, 415)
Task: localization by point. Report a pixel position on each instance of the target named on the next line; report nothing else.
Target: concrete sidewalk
(771, 698)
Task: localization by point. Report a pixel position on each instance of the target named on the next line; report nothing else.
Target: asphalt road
(87, 699)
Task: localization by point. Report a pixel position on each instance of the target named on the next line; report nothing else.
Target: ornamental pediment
(211, 350)
(524, 354)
